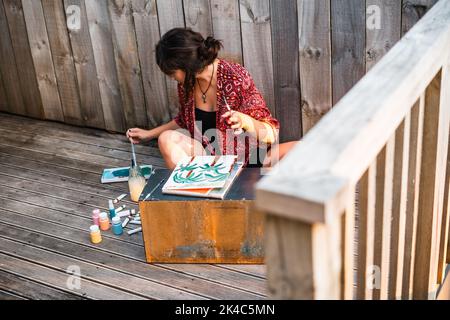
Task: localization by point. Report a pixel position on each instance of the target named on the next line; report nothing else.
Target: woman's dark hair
(186, 50)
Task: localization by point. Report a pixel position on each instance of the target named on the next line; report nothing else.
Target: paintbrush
(153, 190)
(236, 131)
(133, 152)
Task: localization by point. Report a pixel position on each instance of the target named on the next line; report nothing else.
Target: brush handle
(134, 154)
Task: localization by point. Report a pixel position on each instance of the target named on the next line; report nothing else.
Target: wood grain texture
(24, 60)
(63, 62)
(227, 27)
(42, 58)
(366, 235)
(83, 56)
(127, 62)
(197, 14)
(257, 46)
(284, 27)
(398, 218)
(146, 23)
(48, 199)
(3, 99)
(33, 290)
(348, 25)
(425, 269)
(8, 69)
(171, 15)
(413, 11)
(315, 60)
(412, 201)
(381, 38)
(104, 54)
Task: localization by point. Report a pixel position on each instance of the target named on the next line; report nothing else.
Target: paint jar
(112, 210)
(96, 236)
(136, 182)
(104, 221)
(96, 217)
(117, 226)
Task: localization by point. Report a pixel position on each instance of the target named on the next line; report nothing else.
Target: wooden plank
(443, 209)
(3, 99)
(197, 14)
(170, 15)
(83, 151)
(348, 249)
(348, 26)
(227, 27)
(146, 24)
(63, 62)
(428, 225)
(31, 289)
(24, 60)
(42, 58)
(380, 236)
(58, 279)
(285, 44)
(330, 158)
(413, 11)
(101, 275)
(309, 271)
(412, 202)
(444, 291)
(5, 295)
(315, 60)
(387, 218)
(366, 235)
(397, 245)
(75, 134)
(8, 68)
(381, 38)
(83, 57)
(103, 48)
(127, 62)
(257, 47)
(154, 273)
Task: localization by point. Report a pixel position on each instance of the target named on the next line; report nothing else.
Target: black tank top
(208, 119)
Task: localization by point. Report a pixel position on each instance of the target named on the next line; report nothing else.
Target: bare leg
(277, 152)
(175, 145)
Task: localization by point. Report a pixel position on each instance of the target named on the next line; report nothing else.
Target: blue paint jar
(112, 210)
(117, 226)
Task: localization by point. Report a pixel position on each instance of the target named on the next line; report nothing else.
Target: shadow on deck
(49, 185)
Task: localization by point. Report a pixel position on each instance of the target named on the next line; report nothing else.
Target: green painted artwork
(201, 172)
(121, 174)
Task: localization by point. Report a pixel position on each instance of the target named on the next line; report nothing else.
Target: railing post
(303, 259)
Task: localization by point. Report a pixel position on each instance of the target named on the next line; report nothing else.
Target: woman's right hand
(137, 135)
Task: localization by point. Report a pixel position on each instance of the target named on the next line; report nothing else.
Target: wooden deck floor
(49, 184)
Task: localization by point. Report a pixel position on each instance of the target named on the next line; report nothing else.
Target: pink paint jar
(96, 217)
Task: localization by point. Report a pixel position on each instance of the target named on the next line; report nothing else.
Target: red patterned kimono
(235, 83)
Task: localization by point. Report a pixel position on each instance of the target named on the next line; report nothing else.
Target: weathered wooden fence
(304, 54)
(387, 139)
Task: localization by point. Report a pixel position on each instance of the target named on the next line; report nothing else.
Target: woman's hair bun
(209, 51)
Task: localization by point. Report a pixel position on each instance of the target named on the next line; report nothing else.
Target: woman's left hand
(236, 120)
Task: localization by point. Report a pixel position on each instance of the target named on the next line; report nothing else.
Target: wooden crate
(195, 230)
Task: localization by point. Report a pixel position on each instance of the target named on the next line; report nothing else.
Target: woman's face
(178, 76)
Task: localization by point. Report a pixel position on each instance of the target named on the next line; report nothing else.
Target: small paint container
(117, 226)
(125, 222)
(112, 210)
(96, 217)
(96, 236)
(119, 198)
(120, 208)
(104, 221)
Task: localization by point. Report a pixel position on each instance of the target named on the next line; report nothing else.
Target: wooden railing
(360, 208)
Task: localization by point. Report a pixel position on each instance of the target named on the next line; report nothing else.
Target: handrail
(312, 181)
(309, 197)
